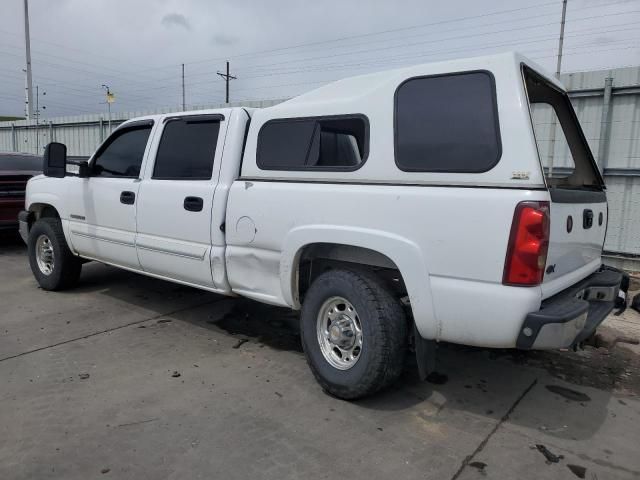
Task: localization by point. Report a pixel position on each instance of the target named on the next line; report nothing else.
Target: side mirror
(55, 160)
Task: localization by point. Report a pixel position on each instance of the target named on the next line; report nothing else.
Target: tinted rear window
(447, 123)
(338, 143)
(187, 150)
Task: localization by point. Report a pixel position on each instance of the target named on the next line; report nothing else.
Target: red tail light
(528, 245)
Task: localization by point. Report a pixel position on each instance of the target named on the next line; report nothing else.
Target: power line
(385, 60)
(382, 32)
(328, 81)
(267, 69)
(311, 68)
(433, 52)
(363, 35)
(144, 83)
(422, 43)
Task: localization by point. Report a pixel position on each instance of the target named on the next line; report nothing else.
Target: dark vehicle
(15, 170)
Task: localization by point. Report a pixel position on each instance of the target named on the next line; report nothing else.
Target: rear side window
(122, 155)
(447, 123)
(336, 143)
(187, 149)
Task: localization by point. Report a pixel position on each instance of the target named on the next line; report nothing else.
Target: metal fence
(607, 103)
(83, 133)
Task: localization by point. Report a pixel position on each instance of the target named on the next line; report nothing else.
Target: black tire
(384, 332)
(66, 267)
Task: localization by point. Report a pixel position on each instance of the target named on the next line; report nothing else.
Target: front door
(102, 219)
(176, 199)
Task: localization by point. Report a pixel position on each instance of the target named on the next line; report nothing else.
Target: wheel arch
(361, 246)
(42, 210)
(47, 205)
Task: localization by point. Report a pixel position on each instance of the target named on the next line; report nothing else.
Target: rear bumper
(571, 316)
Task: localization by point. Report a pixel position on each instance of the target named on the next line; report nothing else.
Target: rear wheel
(354, 333)
(51, 261)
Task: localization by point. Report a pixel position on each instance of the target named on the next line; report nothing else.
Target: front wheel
(51, 261)
(354, 333)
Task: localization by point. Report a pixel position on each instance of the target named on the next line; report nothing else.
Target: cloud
(602, 40)
(223, 40)
(177, 19)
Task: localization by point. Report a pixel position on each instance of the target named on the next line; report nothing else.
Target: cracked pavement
(131, 377)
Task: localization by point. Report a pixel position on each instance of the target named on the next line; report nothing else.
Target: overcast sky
(280, 48)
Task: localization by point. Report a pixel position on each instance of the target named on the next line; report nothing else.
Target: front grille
(13, 186)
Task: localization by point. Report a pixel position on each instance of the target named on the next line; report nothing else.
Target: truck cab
(420, 203)
(152, 197)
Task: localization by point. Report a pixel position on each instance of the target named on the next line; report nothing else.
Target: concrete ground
(131, 377)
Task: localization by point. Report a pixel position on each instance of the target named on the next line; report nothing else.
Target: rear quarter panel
(449, 244)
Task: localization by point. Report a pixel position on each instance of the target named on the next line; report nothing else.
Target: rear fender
(404, 253)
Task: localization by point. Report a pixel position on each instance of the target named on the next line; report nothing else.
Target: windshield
(564, 153)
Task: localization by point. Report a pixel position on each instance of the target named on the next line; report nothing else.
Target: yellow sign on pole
(110, 97)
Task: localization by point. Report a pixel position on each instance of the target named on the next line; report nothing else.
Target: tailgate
(578, 227)
(578, 206)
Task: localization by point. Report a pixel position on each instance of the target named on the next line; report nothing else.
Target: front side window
(447, 123)
(338, 143)
(122, 155)
(187, 149)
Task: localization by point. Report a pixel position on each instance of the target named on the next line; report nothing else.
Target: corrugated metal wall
(82, 133)
(607, 104)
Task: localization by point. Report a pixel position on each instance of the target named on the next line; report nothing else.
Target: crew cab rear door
(174, 214)
(578, 207)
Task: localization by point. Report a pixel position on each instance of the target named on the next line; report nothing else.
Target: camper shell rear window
(565, 156)
(447, 123)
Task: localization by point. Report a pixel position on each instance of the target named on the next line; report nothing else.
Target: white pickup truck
(410, 206)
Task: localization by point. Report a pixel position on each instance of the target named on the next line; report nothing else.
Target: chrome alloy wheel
(339, 333)
(44, 254)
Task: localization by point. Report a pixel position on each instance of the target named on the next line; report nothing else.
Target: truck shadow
(563, 395)
(241, 318)
(569, 387)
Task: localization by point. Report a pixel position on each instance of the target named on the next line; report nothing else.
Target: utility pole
(37, 114)
(227, 77)
(561, 41)
(552, 134)
(183, 102)
(27, 45)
